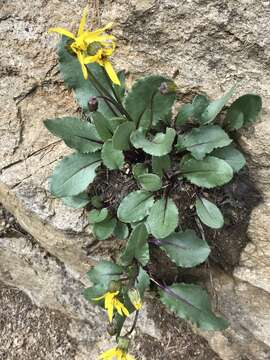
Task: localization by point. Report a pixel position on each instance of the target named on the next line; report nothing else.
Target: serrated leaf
(76, 202)
(112, 158)
(72, 73)
(121, 231)
(77, 134)
(208, 173)
(73, 174)
(243, 111)
(190, 302)
(104, 272)
(232, 156)
(160, 164)
(209, 213)
(102, 125)
(201, 141)
(160, 145)
(215, 107)
(135, 206)
(137, 247)
(96, 216)
(121, 137)
(185, 248)
(142, 281)
(150, 182)
(145, 103)
(139, 169)
(163, 218)
(104, 229)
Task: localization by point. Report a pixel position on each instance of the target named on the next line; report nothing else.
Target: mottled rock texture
(212, 43)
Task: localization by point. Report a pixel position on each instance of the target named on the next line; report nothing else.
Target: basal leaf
(104, 272)
(76, 202)
(199, 103)
(142, 281)
(139, 169)
(160, 164)
(96, 216)
(201, 141)
(243, 111)
(215, 107)
(112, 158)
(77, 134)
(163, 218)
(209, 213)
(185, 248)
(185, 112)
(104, 229)
(160, 145)
(102, 125)
(190, 302)
(150, 182)
(121, 137)
(135, 206)
(232, 156)
(121, 231)
(137, 247)
(73, 174)
(208, 173)
(145, 103)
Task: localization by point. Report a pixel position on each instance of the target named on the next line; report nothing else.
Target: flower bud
(135, 298)
(93, 104)
(114, 286)
(167, 88)
(123, 343)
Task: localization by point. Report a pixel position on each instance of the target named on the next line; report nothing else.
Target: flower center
(92, 48)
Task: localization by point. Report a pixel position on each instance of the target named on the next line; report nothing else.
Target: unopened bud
(114, 286)
(93, 104)
(135, 298)
(123, 343)
(167, 88)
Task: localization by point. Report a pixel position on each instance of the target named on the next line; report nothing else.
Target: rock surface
(212, 44)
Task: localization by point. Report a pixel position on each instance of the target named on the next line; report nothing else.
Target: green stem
(134, 324)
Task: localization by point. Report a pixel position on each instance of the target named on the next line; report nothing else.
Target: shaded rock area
(212, 44)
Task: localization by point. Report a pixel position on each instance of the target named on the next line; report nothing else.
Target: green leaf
(139, 169)
(96, 201)
(96, 216)
(199, 103)
(94, 292)
(120, 90)
(201, 141)
(232, 156)
(104, 272)
(160, 164)
(209, 213)
(163, 218)
(73, 174)
(76, 202)
(142, 282)
(117, 121)
(243, 111)
(121, 137)
(185, 248)
(104, 229)
(150, 182)
(137, 247)
(185, 112)
(102, 125)
(77, 134)
(112, 158)
(208, 173)
(121, 231)
(215, 107)
(72, 74)
(160, 145)
(144, 101)
(135, 206)
(190, 302)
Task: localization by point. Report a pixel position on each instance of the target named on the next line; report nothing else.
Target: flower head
(111, 302)
(116, 354)
(92, 47)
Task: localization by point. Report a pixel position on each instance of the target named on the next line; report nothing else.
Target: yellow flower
(111, 302)
(135, 298)
(92, 47)
(117, 354)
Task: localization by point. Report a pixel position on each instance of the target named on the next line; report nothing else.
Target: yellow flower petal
(110, 71)
(62, 32)
(130, 357)
(84, 68)
(83, 21)
(109, 354)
